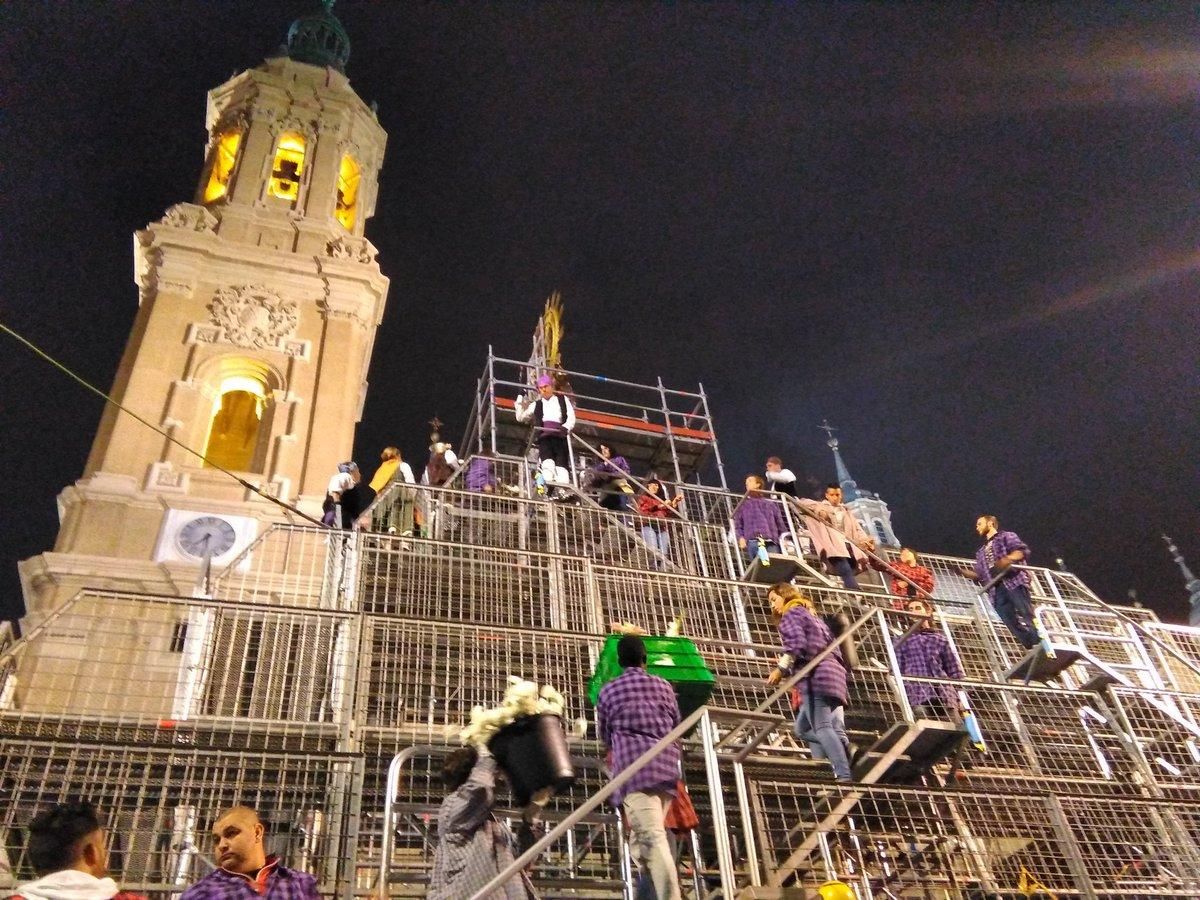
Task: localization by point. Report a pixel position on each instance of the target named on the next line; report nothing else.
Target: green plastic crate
(675, 659)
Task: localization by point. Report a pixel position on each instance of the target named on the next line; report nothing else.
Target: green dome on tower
(319, 39)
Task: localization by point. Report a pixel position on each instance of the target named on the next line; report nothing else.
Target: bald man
(244, 868)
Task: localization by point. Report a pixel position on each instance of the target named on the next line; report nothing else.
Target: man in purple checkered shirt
(927, 654)
(245, 870)
(635, 711)
(757, 516)
(1010, 595)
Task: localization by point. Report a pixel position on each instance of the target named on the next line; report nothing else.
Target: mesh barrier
(322, 655)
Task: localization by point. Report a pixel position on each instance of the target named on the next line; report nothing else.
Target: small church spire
(849, 486)
(870, 509)
(1190, 581)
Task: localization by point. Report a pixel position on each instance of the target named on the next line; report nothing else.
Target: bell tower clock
(257, 305)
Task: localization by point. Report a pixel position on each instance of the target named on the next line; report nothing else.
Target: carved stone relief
(191, 217)
(253, 316)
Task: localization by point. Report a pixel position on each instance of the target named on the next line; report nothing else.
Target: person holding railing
(839, 540)
(1008, 587)
(634, 712)
(608, 476)
(926, 653)
(553, 417)
(473, 846)
(758, 520)
(821, 716)
(655, 510)
(392, 467)
(915, 576)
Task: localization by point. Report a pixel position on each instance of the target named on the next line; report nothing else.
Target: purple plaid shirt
(804, 636)
(480, 474)
(757, 516)
(635, 710)
(927, 654)
(1001, 544)
(281, 884)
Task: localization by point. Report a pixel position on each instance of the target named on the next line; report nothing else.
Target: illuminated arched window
(288, 166)
(237, 413)
(224, 156)
(347, 192)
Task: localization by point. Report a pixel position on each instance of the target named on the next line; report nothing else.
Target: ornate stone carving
(343, 247)
(191, 217)
(253, 316)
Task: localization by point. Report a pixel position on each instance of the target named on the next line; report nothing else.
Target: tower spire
(319, 39)
(1191, 582)
(848, 484)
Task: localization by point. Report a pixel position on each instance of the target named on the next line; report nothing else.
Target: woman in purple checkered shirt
(821, 716)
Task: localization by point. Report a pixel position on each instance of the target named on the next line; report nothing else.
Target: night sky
(967, 235)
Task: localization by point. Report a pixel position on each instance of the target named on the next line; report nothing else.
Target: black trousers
(554, 446)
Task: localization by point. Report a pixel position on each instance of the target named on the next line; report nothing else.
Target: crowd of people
(637, 709)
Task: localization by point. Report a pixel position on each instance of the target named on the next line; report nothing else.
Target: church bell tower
(258, 302)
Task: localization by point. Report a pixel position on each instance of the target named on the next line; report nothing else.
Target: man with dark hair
(1010, 595)
(243, 867)
(781, 480)
(758, 517)
(69, 852)
(473, 847)
(634, 712)
(839, 540)
(926, 653)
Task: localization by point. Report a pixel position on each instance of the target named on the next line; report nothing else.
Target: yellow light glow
(289, 164)
(347, 192)
(236, 415)
(224, 156)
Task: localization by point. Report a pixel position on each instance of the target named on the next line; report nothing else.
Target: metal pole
(716, 799)
(491, 395)
(713, 432)
(748, 838)
(666, 411)
(387, 844)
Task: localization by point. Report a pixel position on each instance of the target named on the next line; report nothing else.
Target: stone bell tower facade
(258, 303)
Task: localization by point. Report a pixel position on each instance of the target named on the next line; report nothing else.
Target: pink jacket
(826, 541)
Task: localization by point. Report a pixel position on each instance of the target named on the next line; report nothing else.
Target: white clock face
(206, 535)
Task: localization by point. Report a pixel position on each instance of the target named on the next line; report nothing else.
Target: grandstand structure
(323, 674)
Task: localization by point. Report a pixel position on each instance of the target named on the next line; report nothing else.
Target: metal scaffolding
(328, 672)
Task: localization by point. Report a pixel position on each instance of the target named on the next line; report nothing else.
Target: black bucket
(532, 751)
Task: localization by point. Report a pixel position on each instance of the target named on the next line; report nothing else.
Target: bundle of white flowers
(521, 698)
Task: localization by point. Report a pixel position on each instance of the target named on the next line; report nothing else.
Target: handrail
(618, 781)
(1138, 627)
(387, 843)
(628, 475)
(887, 566)
(790, 682)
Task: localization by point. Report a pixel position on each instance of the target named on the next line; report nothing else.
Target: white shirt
(341, 481)
(783, 476)
(551, 412)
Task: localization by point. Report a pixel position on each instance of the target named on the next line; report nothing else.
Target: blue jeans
(843, 567)
(1015, 609)
(752, 548)
(822, 725)
(656, 540)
